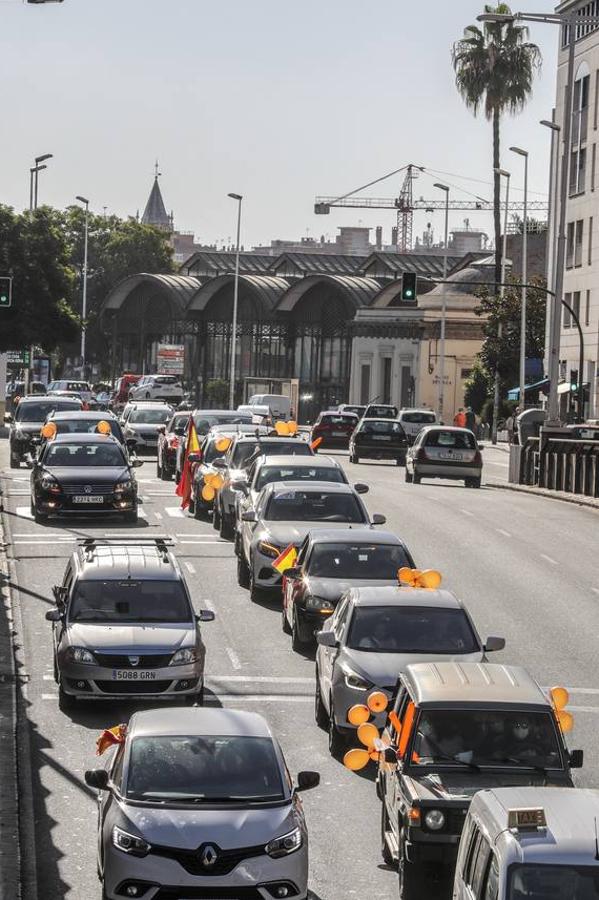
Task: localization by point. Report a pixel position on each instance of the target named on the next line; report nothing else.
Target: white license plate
(456, 456)
(338, 434)
(133, 675)
(92, 498)
(381, 437)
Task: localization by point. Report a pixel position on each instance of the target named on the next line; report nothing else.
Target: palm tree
(494, 68)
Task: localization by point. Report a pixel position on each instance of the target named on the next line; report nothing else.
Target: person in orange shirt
(459, 419)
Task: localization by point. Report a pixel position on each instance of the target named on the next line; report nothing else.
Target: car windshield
(77, 455)
(86, 426)
(156, 416)
(411, 629)
(268, 474)
(129, 601)
(544, 882)
(205, 421)
(494, 737)
(358, 410)
(418, 418)
(313, 506)
(458, 440)
(376, 561)
(37, 412)
(203, 769)
(372, 426)
(210, 452)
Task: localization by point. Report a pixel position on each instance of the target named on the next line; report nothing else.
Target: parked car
(25, 426)
(124, 625)
(380, 411)
(328, 564)
(414, 420)
(82, 474)
(443, 451)
(375, 633)
(169, 438)
(334, 429)
(278, 404)
(143, 423)
(167, 388)
(378, 439)
(285, 512)
(199, 802)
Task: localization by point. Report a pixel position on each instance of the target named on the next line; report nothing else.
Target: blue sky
(276, 100)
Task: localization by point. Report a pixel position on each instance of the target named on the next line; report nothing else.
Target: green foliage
(217, 392)
(478, 387)
(505, 409)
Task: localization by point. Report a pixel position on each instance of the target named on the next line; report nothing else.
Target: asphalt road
(525, 566)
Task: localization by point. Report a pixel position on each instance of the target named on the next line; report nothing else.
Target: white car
(157, 387)
(82, 388)
(414, 420)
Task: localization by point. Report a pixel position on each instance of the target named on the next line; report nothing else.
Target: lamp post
(506, 175)
(35, 172)
(523, 153)
(553, 213)
(239, 199)
(84, 301)
(441, 395)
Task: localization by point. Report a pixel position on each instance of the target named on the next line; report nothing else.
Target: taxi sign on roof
(531, 817)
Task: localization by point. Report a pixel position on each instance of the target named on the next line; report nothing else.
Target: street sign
(17, 357)
(5, 291)
(170, 359)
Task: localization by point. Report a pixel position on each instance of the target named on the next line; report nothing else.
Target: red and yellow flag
(286, 559)
(110, 737)
(183, 489)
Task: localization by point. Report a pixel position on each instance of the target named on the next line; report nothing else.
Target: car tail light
(421, 455)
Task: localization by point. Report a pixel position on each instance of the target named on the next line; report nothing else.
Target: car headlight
(184, 656)
(355, 681)
(121, 486)
(269, 549)
(81, 655)
(319, 603)
(434, 820)
(286, 844)
(49, 483)
(129, 843)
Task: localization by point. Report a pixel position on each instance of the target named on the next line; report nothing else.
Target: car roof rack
(162, 544)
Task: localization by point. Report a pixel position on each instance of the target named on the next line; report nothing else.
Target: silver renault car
(199, 803)
(124, 625)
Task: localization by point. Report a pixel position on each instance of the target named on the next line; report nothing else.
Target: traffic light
(573, 379)
(5, 292)
(408, 286)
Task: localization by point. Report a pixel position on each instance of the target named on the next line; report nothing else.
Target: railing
(559, 464)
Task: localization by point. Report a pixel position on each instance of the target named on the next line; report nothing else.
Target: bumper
(379, 451)
(63, 504)
(97, 682)
(345, 697)
(251, 878)
(169, 459)
(447, 470)
(427, 848)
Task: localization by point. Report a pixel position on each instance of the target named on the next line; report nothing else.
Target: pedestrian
(470, 419)
(459, 420)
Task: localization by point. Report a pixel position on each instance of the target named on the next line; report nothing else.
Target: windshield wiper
(523, 764)
(455, 759)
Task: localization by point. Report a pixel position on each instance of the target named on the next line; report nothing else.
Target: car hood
(334, 588)
(187, 829)
(89, 474)
(284, 533)
(384, 668)
(129, 638)
(464, 784)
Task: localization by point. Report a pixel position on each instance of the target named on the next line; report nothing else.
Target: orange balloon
(208, 493)
(560, 697)
(223, 444)
(217, 482)
(49, 430)
(282, 429)
(356, 759)
(103, 427)
(358, 714)
(377, 702)
(367, 734)
(291, 427)
(406, 575)
(566, 720)
(430, 578)
(374, 755)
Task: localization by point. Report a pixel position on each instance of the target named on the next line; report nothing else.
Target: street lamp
(502, 174)
(239, 198)
(553, 214)
(84, 303)
(441, 396)
(34, 178)
(523, 153)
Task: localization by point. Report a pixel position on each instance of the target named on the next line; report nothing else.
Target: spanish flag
(183, 489)
(110, 737)
(286, 559)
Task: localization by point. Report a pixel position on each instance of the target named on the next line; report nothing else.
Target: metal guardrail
(559, 464)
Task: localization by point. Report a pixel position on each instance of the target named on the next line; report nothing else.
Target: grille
(133, 687)
(226, 860)
(153, 661)
(79, 488)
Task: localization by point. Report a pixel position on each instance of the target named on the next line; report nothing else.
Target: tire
(55, 669)
(409, 477)
(15, 462)
(385, 852)
(216, 517)
(417, 478)
(191, 507)
(411, 878)
(337, 742)
(284, 623)
(132, 517)
(473, 482)
(177, 477)
(65, 701)
(226, 529)
(148, 397)
(356, 459)
(39, 518)
(199, 511)
(255, 591)
(297, 645)
(320, 714)
(243, 572)
(158, 468)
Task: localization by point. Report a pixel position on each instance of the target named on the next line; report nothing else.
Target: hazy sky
(276, 100)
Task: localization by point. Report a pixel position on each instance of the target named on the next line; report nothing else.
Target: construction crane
(406, 205)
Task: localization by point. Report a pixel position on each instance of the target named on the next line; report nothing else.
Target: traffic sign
(5, 291)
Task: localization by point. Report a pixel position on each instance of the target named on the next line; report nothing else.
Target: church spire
(155, 212)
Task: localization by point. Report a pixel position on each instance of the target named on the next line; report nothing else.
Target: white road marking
(489, 462)
(549, 559)
(258, 698)
(158, 515)
(50, 697)
(48, 677)
(503, 532)
(175, 512)
(467, 512)
(595, 590)
(233, 657)
(190, 568)
(215, 540)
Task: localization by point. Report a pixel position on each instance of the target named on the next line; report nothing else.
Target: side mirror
(131, 443)
(248, 516)
(494, 643)
(378, 519)
(194, 457)
(219, 463)
(307, 780)
(361, 488)
(576, 759)
(53, 615)
(97, 778)
(293, 572)
(205, 615)
(239, 485)
(327, 639)
(136, 463)
(162, 429)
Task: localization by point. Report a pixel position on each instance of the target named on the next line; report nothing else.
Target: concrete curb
(576, 499)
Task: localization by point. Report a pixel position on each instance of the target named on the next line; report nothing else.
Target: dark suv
(25, 426)
(378, 439)
(459, 728)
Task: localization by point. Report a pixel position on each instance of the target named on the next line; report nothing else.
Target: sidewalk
(577, 499)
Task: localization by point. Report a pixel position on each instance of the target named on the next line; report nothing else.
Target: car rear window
(205, 421)
(383, 412)
(155, 416)
(270, 448)
(341, 420)
(418, 418)
(268, 474)
(372, 426)
(459, 440)
(313, 506)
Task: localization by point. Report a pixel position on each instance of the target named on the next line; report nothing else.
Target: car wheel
(15, 462)
(55, 669)
(237, 544)
(255, 591)
(243, 572)
(409, 477)
(417, 478)
(165, 475)
(385, 851)
(216, 517)
(336, 739)
(320, 714)
(284, 623)
(65, 701)
(297, 645)
(158, 468)
(199, 511)
(225, 530)
(473, 482)
(191, 507)
(148, 396)
(40, 518)
(411, 879)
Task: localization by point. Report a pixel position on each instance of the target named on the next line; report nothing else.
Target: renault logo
(208, 856)
(134, 660)
(88, 488)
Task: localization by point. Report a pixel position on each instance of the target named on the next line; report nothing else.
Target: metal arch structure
(177, 288)
(266, 289)
(357, 290)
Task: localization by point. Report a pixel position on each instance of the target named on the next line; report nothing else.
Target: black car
(84, 473)
(25, 426)
(378, 439)
(169, 438)
(86, 422)
(144, 422)
(15, 391)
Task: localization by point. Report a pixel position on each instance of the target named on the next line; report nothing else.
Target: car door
(247, 528)
(106, 800)
(328, 655)
(390, 772)
(59, 628)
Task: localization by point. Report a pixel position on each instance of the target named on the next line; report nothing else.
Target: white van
(279, 404)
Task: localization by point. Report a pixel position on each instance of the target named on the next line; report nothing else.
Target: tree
(495, 67)
(477, 387)
(33, 249)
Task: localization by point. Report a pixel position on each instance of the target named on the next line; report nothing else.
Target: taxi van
(527, 843)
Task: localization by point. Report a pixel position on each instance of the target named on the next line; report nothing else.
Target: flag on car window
(183, 489)
(286, 559)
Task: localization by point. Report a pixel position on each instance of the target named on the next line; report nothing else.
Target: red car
(335, 428)
(169, 437)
